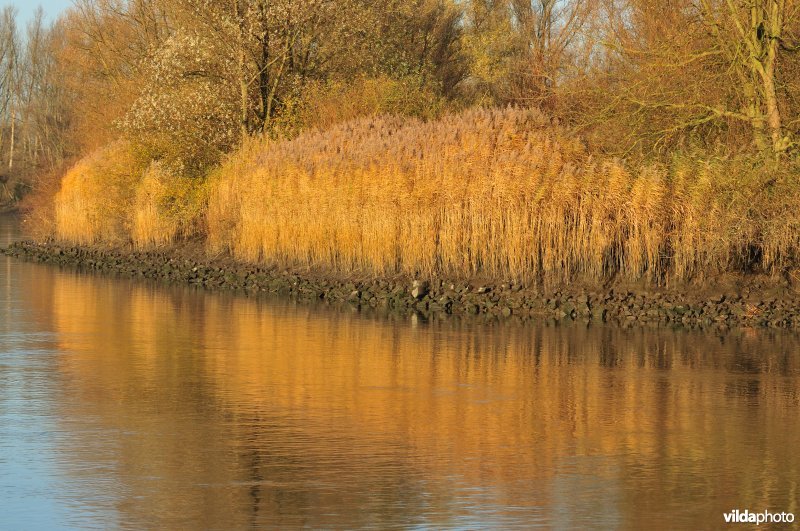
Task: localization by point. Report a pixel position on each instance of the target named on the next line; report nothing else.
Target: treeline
(166, 111)
(190, 78)
(32, 120)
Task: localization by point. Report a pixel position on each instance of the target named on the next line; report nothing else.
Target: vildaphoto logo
(765, 517)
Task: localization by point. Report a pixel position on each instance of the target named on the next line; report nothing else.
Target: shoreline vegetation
(500, 194)
(368, 211)
(562, 147)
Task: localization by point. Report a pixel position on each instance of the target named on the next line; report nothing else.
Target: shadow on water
(177, 408)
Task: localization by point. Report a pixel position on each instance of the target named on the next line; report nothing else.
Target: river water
(129, 405)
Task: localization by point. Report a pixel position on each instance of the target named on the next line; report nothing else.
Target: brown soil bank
(744, 301)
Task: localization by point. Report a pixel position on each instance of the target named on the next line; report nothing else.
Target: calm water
(126, 405)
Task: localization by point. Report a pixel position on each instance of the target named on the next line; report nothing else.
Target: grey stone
(419, 289)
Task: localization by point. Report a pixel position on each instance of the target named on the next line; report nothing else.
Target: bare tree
(553, 40)
(708, 68)
(9, 80)
(750, 37)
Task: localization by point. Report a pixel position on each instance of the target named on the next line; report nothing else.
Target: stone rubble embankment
(425, 297)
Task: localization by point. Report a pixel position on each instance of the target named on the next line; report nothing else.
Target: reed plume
(495, 193)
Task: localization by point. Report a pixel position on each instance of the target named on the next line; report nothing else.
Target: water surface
(130, 405)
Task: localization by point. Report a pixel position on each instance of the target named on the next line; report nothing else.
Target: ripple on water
(124, 405)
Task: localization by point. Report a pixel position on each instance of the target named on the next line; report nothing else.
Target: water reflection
(175, 408)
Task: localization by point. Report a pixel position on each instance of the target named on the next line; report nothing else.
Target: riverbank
(745, 302)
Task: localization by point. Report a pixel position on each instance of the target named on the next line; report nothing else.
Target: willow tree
(702, 69)
(751, 37)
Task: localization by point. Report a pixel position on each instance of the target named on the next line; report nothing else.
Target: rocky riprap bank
(627, 308)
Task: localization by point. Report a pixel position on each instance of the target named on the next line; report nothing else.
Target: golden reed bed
(496, 193)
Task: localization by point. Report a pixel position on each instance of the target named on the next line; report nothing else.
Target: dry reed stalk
(93, 202)
(152, 226)
(499, 193)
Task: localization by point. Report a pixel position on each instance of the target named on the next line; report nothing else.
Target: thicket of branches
(32, 111)
(187, 80)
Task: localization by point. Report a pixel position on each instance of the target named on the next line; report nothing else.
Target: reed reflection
(224, 412)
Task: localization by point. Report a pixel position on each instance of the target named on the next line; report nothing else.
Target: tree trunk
(773, 116)
(242, 71)
(765, 33)
(13, 135)
(264, 81)
(774, 24)
(754, 113)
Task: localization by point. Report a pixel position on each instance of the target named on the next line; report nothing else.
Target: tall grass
(499, 193)
(116, 195)
(167, 207)
(93, 203)
(151, 225)
(494, 193)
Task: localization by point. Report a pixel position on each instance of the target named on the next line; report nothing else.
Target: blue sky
(26, 8)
